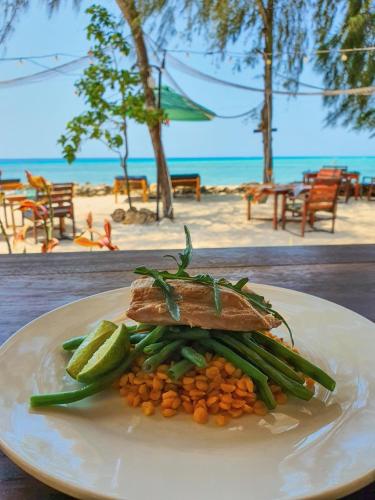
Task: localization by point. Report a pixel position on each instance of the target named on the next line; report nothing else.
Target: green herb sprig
(160, 277)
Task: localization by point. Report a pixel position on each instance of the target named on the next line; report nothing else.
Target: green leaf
(217, 297)
(185, 256)
(241, 283)
(165, 287)
(206, 279)
(168, 256)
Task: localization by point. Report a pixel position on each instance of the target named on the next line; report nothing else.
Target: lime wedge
(92, 342)
(107, 357)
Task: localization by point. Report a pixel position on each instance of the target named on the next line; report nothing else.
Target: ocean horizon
(217, 171)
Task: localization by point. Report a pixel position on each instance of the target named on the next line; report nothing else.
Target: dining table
(34, 284)
(275, 191)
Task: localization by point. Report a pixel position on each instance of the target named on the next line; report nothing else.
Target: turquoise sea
(213, 171)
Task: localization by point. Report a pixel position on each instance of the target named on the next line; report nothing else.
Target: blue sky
(33, 116)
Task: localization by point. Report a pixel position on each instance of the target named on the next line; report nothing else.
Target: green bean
(268, 357)
(298, 390)
(188, 334)
(273, 360)
(295, 360)
(179, 369)
(246, 367)
(154, 348)
(105, 381)
(150, 364)
(175, 328)
(137, 337)
(140, 328)
(199, 348)
(195, 357)
(73, 343)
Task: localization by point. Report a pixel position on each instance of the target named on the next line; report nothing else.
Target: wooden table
(34, 284)
(276, 191)
(12, 201)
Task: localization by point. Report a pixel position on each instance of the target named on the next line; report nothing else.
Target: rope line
(45, 74)
(185, 68)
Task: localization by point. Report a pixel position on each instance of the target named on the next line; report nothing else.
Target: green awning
(180, 108)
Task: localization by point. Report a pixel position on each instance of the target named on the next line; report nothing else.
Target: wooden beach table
(188, 180)
(12, 202)
(8, 187)
(43, 282)
(276, 191)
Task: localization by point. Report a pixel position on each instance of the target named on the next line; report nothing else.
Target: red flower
(39, 210)
(102, 241)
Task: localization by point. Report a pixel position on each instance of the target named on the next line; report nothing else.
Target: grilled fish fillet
(197, 308)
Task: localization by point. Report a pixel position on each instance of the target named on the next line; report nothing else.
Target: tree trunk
(267, 104)
(129, 10)
(124, 166)
(124, 162)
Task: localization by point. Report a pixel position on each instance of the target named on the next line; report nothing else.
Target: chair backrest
(330, 172)
(61, 194)
(324, 191)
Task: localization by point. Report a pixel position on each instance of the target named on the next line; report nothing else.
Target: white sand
(217, 221)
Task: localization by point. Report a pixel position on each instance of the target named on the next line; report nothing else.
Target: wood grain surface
(34, 284)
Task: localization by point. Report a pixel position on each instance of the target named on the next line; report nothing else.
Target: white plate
(99, 448)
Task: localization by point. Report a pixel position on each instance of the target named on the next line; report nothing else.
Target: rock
(118, 215)
(142, 216)
(88, 189)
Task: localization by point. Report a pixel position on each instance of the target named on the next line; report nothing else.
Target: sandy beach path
(217, 221)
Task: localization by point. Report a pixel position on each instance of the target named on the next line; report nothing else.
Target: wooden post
(198, 189)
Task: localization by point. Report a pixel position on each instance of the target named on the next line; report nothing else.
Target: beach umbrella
(180, 108)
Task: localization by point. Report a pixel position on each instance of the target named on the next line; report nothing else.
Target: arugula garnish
(160, 277)
(185, 256)
(165, 287)
(206, 279)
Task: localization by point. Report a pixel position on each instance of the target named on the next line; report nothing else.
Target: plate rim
(70, 488)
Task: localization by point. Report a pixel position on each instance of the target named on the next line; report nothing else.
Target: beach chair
(61, 198)
(322, 197)
(349, 181)
(329, 172)
(135, 183)
(188, 180)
